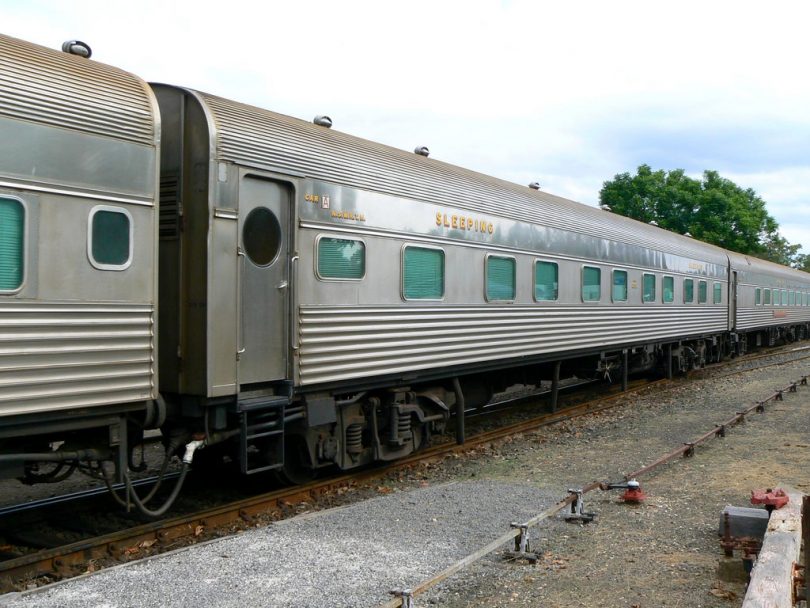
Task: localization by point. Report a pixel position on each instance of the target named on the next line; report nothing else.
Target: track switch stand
(632, 491)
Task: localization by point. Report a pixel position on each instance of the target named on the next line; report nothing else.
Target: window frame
(111, 209)
(24, 254)
(582, 284)
(766, 297)
(534, 279)
(715, 286)
(654, 290)
(705, 285)
(486, 277)
(613, 272)
(757, 296)
(663, 289)
(692, 283)
(339, 279)
(402, 272)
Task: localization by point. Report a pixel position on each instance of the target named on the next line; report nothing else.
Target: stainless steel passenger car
(78, 281)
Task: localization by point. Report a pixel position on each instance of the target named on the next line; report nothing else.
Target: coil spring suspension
(400, 427)
(354, 438)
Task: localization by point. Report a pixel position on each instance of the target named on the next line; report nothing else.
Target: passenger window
(422, 273)
(766, 296)
(500, 278)
(110, 238)
(261, 236)
(718, 293)
(546, 286)
(341, 258)
(12, 244)
(784, 297)
(791, 298)
(777, 297)
(648, 288)
(688, 291)
(757, 296)
(591, 284)
(703, 292)
(668, 287)
(619, 291)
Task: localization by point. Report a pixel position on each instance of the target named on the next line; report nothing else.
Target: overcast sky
(564, 93)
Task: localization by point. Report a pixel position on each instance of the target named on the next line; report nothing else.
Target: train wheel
(297, 468)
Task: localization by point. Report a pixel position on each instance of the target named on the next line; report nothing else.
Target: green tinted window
(546, 286)
(784, 297)
(500, 278)
(341, 258)
(792, 298)
(668, 287)
(619, 290)
(767, 296)
(12, 229)
(648, 288)
(718, 293)
(422, 273)
(703, 292)
(757, 296)
(110, 235)
(688, 291)
(777, 297)
(591, 284)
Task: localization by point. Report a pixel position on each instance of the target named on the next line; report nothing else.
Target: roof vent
(323, 121)
(689, 234)
(421, 151)
(534, 185)
(605, 207)
(653, 223)
(77, 47)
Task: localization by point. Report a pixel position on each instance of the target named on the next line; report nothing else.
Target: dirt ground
(664, 552)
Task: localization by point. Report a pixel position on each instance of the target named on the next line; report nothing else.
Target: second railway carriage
(772, 302)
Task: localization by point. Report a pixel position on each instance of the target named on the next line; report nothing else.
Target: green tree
(713, 209)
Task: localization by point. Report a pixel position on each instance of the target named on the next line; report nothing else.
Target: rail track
(87, 554)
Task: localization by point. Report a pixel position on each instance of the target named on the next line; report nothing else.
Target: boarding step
(262, 432)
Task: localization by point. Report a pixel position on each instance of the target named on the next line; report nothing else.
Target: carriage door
(264, 208)
(732, 302)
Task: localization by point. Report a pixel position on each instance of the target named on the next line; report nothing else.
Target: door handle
(282, 285)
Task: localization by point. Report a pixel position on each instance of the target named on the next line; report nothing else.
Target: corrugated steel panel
(341, 343)
(50, 87)
(750, 318)
(57, 355)
(253, 136)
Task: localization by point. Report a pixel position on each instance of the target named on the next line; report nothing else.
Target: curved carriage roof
(257, 137)
(50, 87)
(756, 267)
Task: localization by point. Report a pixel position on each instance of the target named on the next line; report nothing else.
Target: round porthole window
(261, 236)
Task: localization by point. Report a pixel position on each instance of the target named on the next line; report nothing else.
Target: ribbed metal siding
(50, 87)
(55, 356)
(340, 343)
(750, 318)
(246, 134)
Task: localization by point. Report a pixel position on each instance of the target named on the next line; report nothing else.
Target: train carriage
(78, 278)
